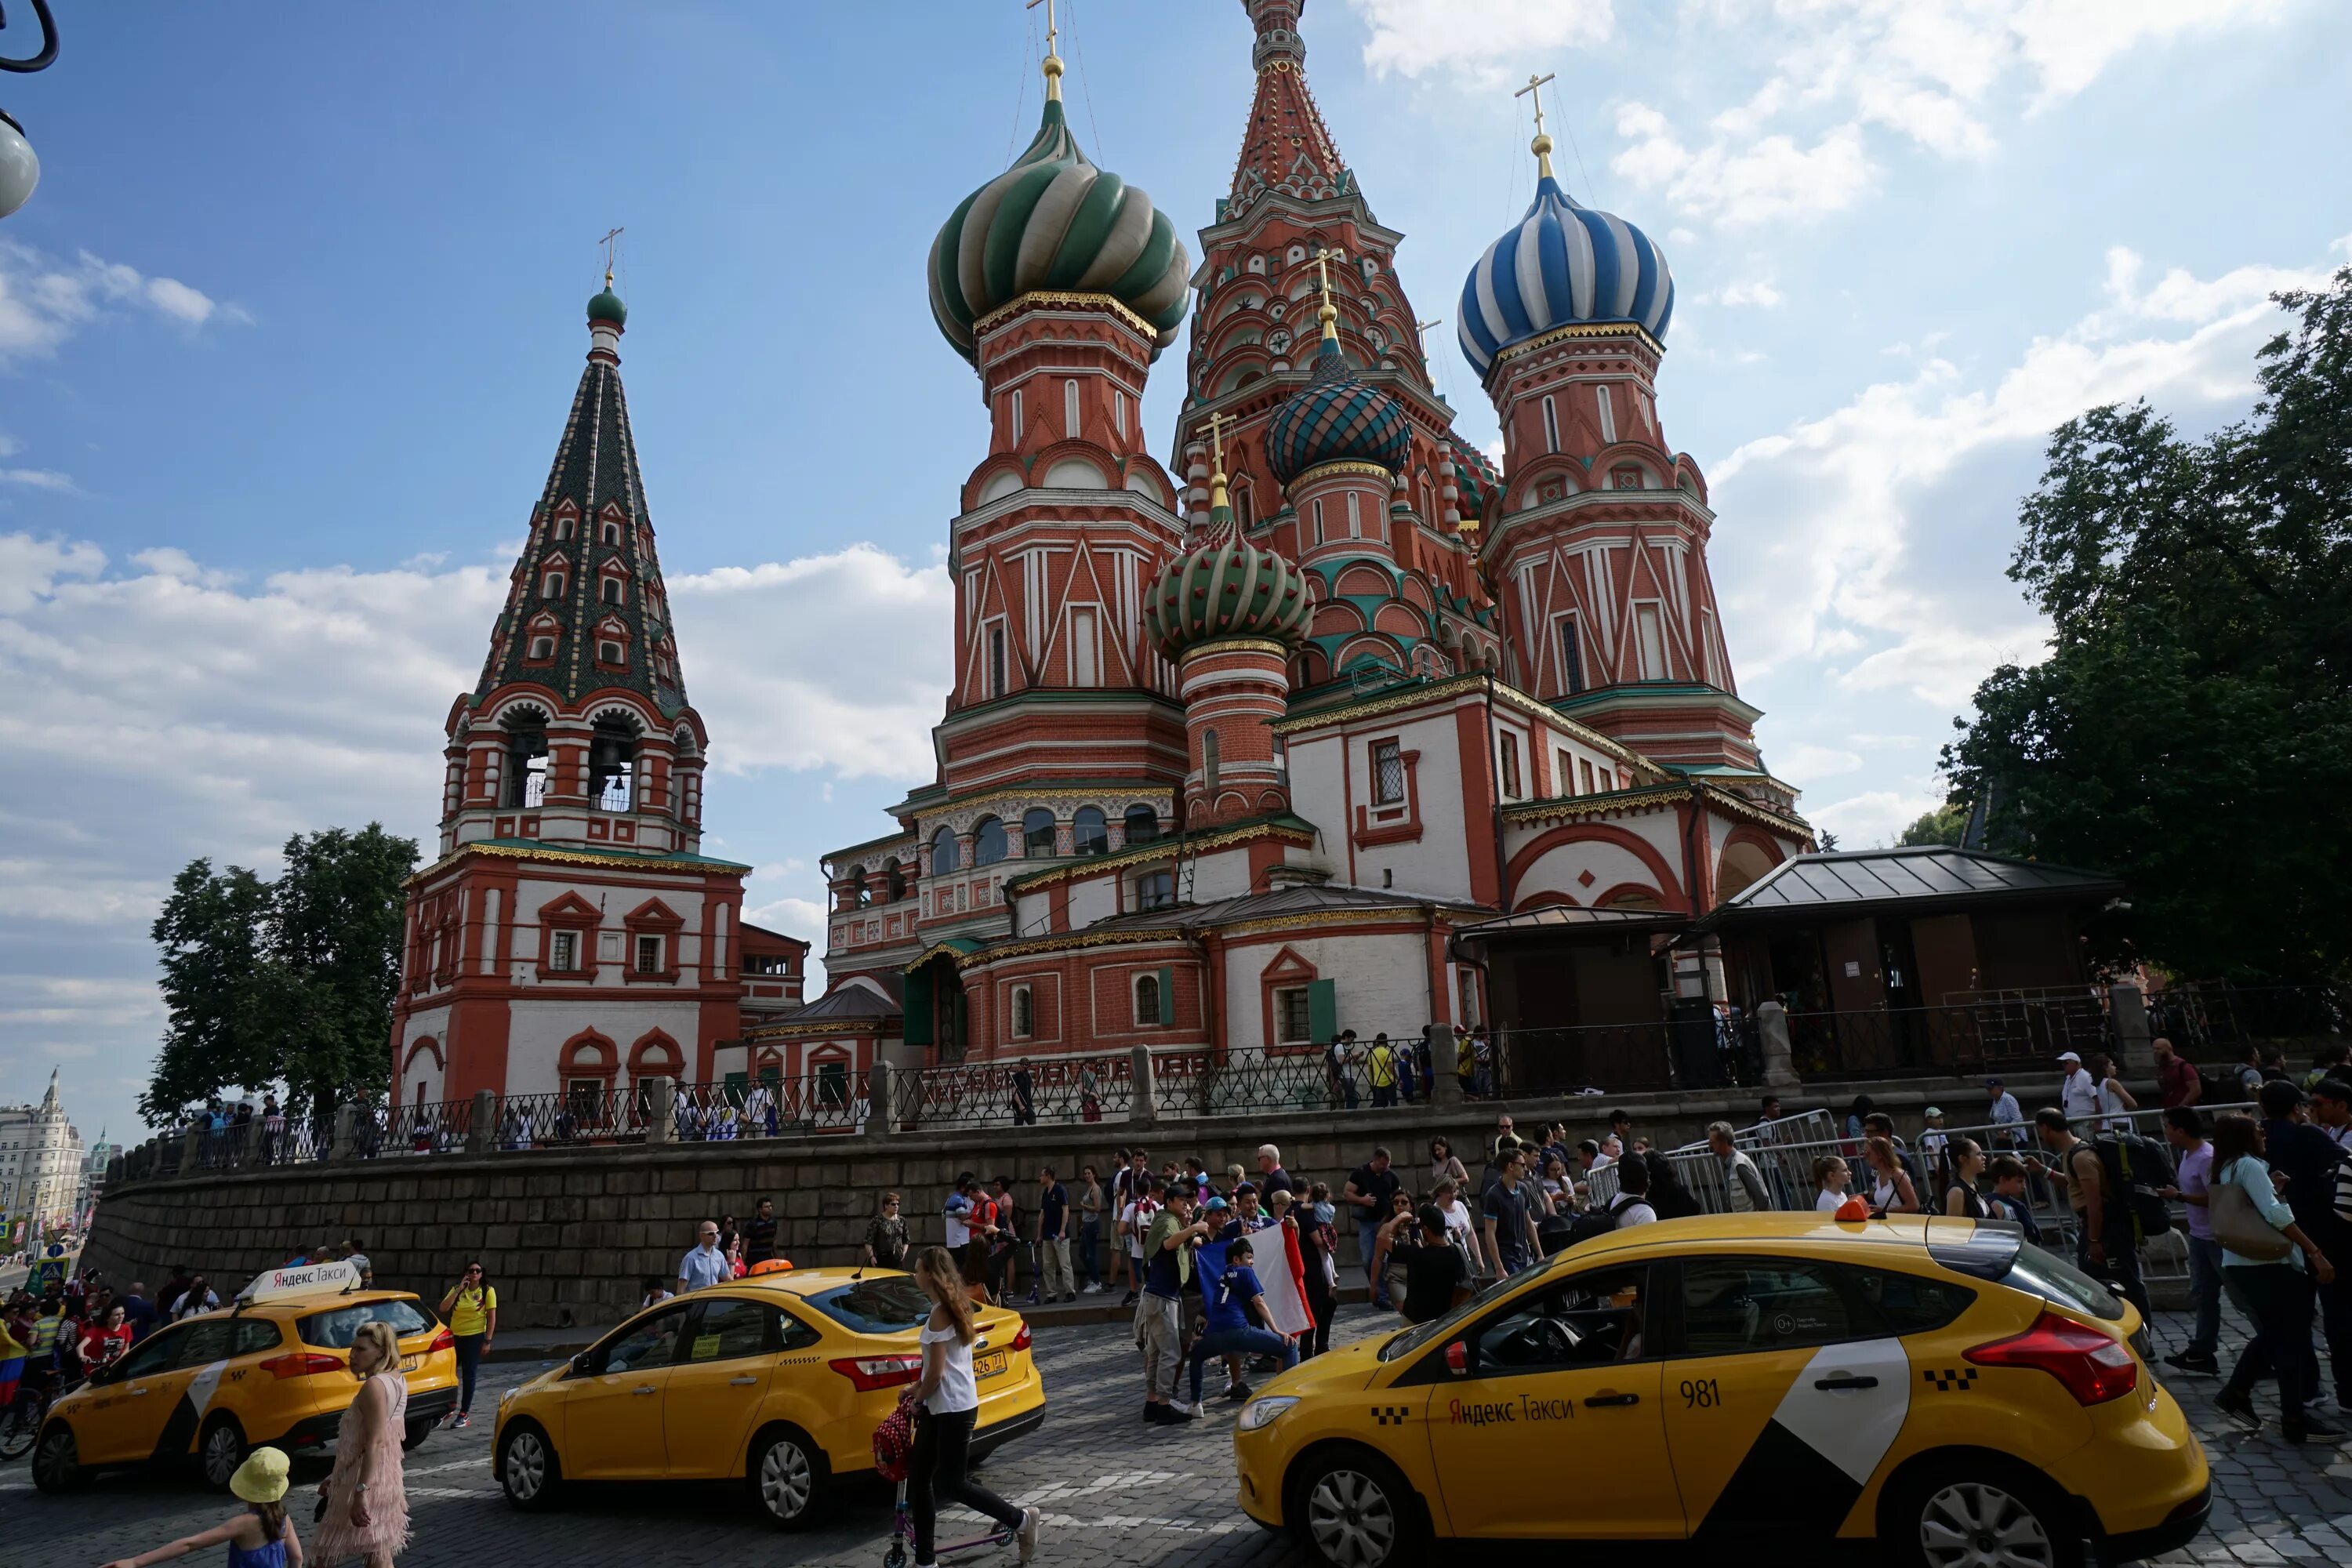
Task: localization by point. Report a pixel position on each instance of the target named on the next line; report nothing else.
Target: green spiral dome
(1054, 221)
(1225, 587)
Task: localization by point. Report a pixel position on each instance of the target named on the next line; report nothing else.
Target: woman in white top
(1890, 1185)
(947, 1403)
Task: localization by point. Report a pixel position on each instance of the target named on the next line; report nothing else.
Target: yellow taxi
(1935, 1386)
(272, 1367)
(778, 1381)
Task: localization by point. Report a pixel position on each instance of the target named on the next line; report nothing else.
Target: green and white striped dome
(1225, 587)
(1055, 221)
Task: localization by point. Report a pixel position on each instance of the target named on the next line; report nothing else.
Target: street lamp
(20, 170)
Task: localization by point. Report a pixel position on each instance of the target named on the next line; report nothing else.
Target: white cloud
(37, 479)
(45, 300)
(1486, 40)
(1803, 763)
(1768, 178)
(1874, 816)
(1758, 291)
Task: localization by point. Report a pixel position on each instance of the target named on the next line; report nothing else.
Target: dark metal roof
(847, 999)
(1850, 882)
(1556, 918)
(1262, 906)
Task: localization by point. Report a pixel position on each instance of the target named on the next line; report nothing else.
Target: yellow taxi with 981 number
(777, 1380)
(1937, 1385)
(273, 1367)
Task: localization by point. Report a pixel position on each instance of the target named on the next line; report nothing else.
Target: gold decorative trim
(569, 857)
(821, 1027)
(1577, 329)
(1158, 848)
(1070, 942)
(1339, 467)
(1234, 645)
(1408, 918)
(1037, 297)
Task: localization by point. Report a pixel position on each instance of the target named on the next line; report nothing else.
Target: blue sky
(287, 333)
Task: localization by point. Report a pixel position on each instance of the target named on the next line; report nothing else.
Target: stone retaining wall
(569, 1235)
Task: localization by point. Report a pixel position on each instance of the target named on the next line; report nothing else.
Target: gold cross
(1053, 63)
(1328, 315)
(1542, 144)
(1217, 423)
(1421, 328)
(609, 243)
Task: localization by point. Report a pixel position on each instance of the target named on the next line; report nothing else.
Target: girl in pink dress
(367, 1505)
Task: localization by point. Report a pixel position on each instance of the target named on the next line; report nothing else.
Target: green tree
(287, 981)
(2192, 721)
(1942, 825)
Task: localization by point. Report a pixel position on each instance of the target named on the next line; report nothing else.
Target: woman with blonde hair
(367, 1504)
(1890, 1185)
(947, 1403)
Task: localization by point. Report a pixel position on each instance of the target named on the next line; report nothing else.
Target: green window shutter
(1167, 997)
(736, 1083)
(916, 1012)
(1323, 1010)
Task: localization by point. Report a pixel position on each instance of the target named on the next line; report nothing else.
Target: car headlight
(507, 1397)
(1259, 1412)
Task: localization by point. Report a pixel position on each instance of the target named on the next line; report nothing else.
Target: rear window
(1998, 1252)
(889, 1305)
(1910, 1303)
(335, 1329)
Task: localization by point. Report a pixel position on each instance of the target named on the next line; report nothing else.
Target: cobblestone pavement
(1112, 1489)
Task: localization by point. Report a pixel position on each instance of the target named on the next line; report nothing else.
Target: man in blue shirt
(138, 1311)
(1238, 1321)
(706, 1265)
(1168, 1249)
(1052, 1240)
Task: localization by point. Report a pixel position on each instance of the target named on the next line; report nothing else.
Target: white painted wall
(1379, 982)
(1562, 870)
(433, 1022)
(537, 1030)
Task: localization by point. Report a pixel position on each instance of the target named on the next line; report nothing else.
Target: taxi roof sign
(302, 1279)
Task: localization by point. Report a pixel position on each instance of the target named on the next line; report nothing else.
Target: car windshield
(335, 1329)
(1419, 1334)
(888, 1305)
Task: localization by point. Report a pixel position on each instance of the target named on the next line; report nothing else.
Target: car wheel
(57, 1460)
(527, 1468)
(221, 1450)
(1354, 1511)
(787, 1473)
(413, 1436)
(1979, 1516)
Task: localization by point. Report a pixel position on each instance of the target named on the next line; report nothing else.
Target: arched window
(613, 759)
(562, 528)
(610, 532)
(1147, 1001)
(1155, 890)
(552, 585)
(1024, 1013)
(1090, 832)
(1037, 832)
(943, 852)
(611, 589)
(988, 843)
(853, 896)
(1143, 824)
(894, 878)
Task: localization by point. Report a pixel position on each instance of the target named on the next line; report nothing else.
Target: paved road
(1113, 1491)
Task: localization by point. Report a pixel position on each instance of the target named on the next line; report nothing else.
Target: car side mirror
(580, 1363)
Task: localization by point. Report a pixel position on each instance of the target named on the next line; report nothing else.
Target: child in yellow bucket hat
(263, 1536)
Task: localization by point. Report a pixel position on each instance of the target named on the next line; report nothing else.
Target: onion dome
(1335, 417)
(1562, 263)
(1478, 483)
(607, 307)
(1054, 221)
(1225, 587)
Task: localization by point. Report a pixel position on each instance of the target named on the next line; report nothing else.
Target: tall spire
(586, 609)
(1053, 62)
(1286, 147)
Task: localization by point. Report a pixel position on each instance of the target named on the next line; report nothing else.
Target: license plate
(993, 1364)
(411, 1362)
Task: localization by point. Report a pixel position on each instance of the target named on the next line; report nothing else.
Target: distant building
(93, 1175)
(40, 1168)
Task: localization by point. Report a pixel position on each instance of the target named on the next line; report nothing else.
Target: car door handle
(643, 1388)
(741, 1381)
(139, 1393)
(1842, 1381)
(1601, 1401)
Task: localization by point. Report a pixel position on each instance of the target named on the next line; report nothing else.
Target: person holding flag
(1238, 1319)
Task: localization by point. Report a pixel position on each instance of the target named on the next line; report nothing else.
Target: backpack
(2133, 1170)
(1597, 1222)
(2220, 1087)
(1667, 1195)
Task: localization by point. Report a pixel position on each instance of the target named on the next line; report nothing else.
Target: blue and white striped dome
(1563, 263)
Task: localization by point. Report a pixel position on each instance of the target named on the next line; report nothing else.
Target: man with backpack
(2102, 1182)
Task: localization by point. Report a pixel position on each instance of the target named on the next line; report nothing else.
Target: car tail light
(443, 1341)
(1021, 1340)
(2094, 1367)
(302, 1364)
(869, 1373)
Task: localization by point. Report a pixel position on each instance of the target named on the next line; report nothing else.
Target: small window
(1607, 413)
(1563, 772)
(1155, 890)
(611, 590)
(562, 528)
(1318, 520)
(1732, 1306)
(996, 661)
(1024, 1013)
(563, 952)
(1388, 773)
(1550, 426)
(1649, 630)
(1143, 824)
(1036, 832)
(1571, 656)
(584, 1098)
(1017, 416)
(610, 532)
(1510, 766)
(552, 585)
(1083, 670)
(1119, 411)
(610, 652)
(1291, 1017)
(649, 955)
(987, 842)
(1070, 409)
(1584, 770)
(1090, 832)
(1355, 526)
(943, 852)
(1147, 1001)
(542, 649)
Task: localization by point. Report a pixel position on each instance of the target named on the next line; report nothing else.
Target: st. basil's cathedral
(1239, 750)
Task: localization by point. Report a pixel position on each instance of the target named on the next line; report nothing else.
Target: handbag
(2240, 1227)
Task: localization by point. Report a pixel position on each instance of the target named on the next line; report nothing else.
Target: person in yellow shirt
(472, 1309)
(1380, 1065)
